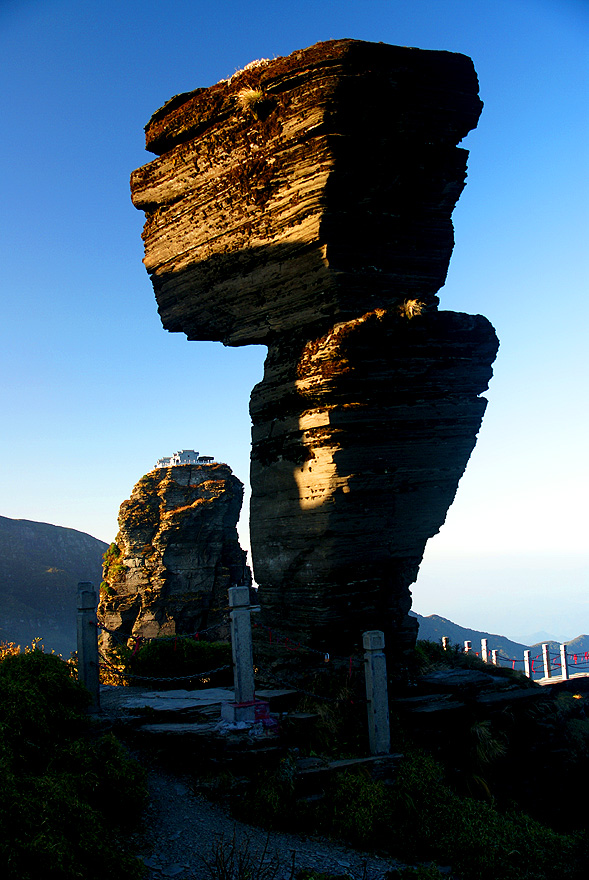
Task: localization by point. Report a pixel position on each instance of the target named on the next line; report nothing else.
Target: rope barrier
(509, 660)
(281, 640)
(108, 665)
(265, 673)
(579, 660)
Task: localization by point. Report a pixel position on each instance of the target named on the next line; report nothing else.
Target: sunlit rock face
(175, 556)
(306, 204)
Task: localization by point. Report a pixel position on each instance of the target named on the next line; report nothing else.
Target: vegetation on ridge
(67, 793)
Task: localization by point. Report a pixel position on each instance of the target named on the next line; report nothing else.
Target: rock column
(306, 204)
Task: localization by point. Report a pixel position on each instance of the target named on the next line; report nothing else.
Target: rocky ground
(187, 837)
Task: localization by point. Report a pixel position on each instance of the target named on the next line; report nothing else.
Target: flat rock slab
(172, 701)
(430, 704)
(313, 766)
(459, 679)
(205, 729)
(500, 698)
(120, 700)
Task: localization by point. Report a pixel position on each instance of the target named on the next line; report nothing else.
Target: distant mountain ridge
(433, 627)
(40, 567)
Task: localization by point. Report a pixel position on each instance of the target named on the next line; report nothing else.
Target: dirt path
(183, 830)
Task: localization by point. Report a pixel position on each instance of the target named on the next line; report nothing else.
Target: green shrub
(270, 801)
(65, 792)
(418, 819)
(430, 655)
(359, 809)
(339, 701)
(171, 657)
(111, 552)
(41, 707)
(430, 821)
(174, 658)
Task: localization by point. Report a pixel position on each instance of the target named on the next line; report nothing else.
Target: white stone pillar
(527, 665)
(88, 668)
(376, 692)
(445, 642)
(467, 647)
(243, 708)
(564, 662)
(484, 651)
(546, 659)
(494, 657)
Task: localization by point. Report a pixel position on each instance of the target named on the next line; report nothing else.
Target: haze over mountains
(40, 566)
(433, 628)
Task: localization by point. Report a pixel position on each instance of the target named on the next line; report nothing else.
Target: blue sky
(94, 390)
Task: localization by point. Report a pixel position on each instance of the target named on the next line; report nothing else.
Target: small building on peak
(184, 456)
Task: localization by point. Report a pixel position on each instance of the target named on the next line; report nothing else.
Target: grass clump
(67, 794)
(247, 99)
(256, 102)
(411, 308)
(238, 860)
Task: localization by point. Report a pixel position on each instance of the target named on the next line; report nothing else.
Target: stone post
(484, 650)
(564, 662)
(376, 692)
(467, 647)
(546, 659)
(88, 669)
(494, 657)
(243, 708)
(445, 642)
(527, 666)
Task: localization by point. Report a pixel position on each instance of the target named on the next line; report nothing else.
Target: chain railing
(244, 706)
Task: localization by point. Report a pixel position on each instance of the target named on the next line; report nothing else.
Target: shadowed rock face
(306, 204)
(176, 554)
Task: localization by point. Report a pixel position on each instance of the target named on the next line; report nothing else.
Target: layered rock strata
(306, 204)
(175, 556)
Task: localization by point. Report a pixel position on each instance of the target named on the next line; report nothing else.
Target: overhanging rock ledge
(305, 203)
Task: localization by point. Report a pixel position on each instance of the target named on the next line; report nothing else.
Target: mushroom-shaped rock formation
(306, 204)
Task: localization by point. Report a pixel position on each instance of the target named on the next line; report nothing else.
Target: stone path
(183, 830)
